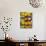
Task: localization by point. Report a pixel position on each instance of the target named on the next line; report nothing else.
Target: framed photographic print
(25, 19)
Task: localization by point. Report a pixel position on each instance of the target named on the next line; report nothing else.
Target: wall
(12, 8)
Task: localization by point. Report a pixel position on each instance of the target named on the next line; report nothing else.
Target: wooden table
(26, 42)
